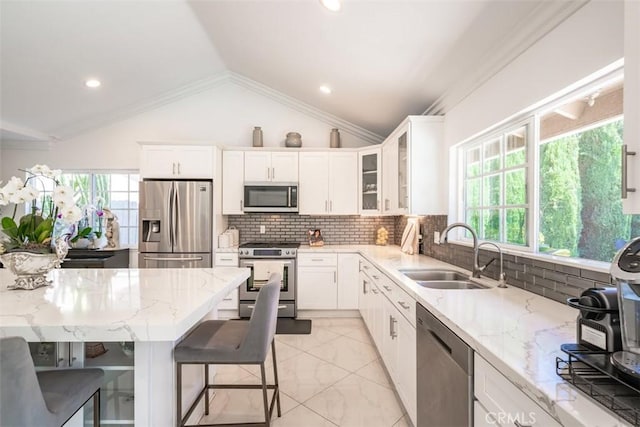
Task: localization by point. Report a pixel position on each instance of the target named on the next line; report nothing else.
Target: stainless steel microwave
(270, 197)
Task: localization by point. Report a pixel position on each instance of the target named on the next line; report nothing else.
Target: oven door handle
(252, 306)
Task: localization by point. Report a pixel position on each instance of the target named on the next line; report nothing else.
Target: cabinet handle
(388, 288)
(317, 259)
(375, 277)
(404, 305)
(364, 287)
(226, 259)
(378, 204)
(625, 183)
(326, 203)
(365, 266)
(273, 173)
(241, 206)
(375, 291)
(330, 205)
(386, 204)
(174, 168)
(178, 168)
(392, 330)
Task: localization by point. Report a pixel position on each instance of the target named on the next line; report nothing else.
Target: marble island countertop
(115, 304)
(516, 331)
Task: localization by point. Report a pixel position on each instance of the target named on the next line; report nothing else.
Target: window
(495, 176)
(571, 149)
(118, 190)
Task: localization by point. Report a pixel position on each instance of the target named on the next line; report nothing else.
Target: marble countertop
(518, 332)
(115, 304)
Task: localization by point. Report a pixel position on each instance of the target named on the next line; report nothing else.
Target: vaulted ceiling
(383, 59)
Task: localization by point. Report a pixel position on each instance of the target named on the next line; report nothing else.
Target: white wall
(586, 42)
(223, 115)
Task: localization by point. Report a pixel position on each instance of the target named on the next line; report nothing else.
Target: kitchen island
(153, 308)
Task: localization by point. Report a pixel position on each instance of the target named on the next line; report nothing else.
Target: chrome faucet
(443, 239)
(502, 278)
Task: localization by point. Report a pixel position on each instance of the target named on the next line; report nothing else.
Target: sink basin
(451, 284)
(430, 275)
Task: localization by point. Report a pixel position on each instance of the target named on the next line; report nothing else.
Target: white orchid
(71, 214)
(63, 196)
(24, 194)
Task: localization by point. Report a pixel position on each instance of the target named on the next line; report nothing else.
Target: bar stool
(233, 342)
(46, 398)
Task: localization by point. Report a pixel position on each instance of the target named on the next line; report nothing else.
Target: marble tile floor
(332, 377)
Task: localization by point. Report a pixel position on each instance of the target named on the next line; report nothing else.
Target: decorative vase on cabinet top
(257, 136)
(294, 139)
(334, 138)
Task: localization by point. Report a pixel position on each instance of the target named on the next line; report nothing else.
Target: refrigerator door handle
(195, 258)
(170, 207)
(174, 215)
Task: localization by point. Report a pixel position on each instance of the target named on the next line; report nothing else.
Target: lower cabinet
(328, 281)
(501, 402)
(392, 332)
(317, 288)
(228, 308)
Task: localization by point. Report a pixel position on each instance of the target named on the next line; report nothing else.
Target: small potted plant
(31, 247)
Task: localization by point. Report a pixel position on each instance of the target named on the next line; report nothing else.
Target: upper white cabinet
(328, 183)
(414, 180)
(631, 205)
(233, 179)
(370, 181)
(270, 166)
(176, 161)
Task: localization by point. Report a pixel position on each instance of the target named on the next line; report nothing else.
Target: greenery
(34, 231)
(580, 207)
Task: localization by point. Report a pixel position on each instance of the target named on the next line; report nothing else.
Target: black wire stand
(591, 372)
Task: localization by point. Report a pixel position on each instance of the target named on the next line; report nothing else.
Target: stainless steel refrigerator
(175, 224)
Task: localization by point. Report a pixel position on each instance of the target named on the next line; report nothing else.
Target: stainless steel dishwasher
(445, 375)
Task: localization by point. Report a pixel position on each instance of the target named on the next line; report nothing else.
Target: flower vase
(30, 268)
(99, 242)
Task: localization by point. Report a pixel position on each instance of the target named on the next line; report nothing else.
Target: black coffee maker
(625, 269)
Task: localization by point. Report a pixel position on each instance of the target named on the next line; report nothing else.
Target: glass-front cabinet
(114, 358)
(370, 182)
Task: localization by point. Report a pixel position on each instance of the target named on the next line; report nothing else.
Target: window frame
(93, 188)
(531, 116)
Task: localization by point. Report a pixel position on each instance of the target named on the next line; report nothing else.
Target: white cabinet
(414, 179)
(233, 180)
(370, 181)
(317, 281)
(348, 274)
(270, 166)
(176, 161)
(505, 402)
(631, 205)
(228, 307)
(328, 183)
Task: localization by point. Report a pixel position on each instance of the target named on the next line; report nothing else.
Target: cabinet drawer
(226, 259)
(317, 260)
(405, 304)
(504, 401)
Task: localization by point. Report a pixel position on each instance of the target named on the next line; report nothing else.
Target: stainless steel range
(262, 258)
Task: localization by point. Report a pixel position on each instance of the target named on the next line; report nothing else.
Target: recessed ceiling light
(332, 5)
(92, 83)
(325, 89)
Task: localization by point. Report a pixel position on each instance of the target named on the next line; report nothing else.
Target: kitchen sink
(450, 284)
(441, 279)
(421, 275)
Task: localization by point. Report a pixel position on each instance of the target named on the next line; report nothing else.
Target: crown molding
(211, 83)
(303, 107)
(539, 22)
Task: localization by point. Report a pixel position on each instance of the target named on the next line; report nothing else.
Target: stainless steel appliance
(175, 224)
(598, 324)
(625, 269)
(270, 197)
(445, 374)
(285, 253)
